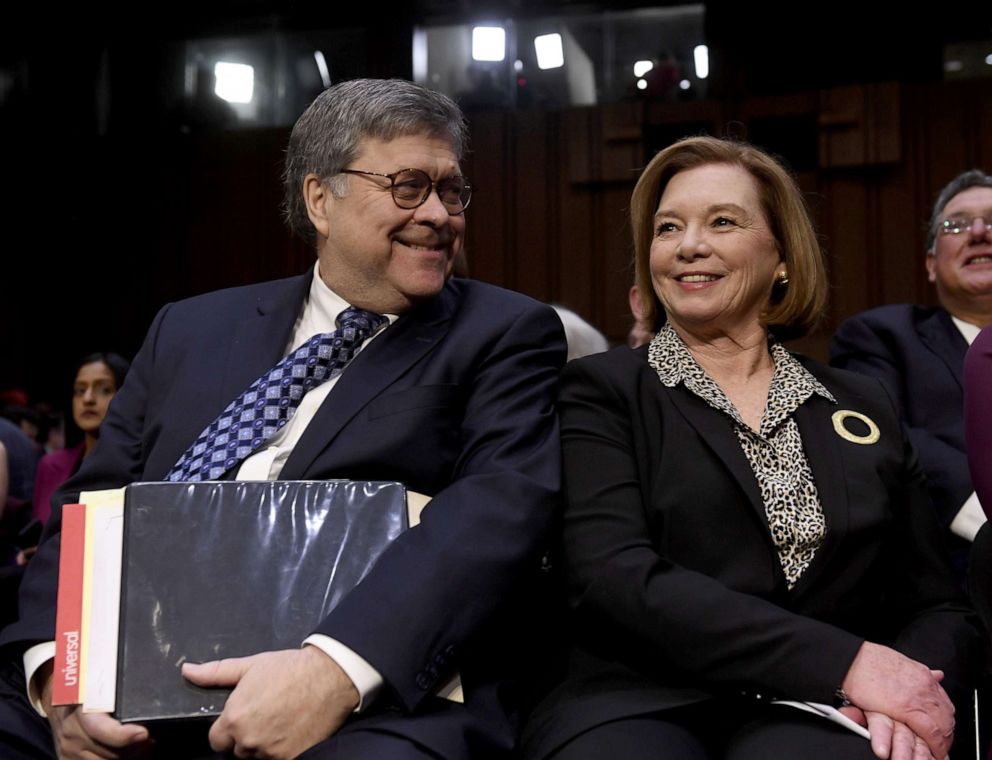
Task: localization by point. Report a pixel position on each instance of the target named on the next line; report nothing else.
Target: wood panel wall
(155, 218)
(870, 159)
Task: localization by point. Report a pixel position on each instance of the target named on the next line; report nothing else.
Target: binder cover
(232, 568)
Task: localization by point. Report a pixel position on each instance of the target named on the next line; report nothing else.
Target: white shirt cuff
(969, 519)
(34, 658)
(366, 678)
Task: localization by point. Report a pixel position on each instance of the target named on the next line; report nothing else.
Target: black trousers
(724, 730)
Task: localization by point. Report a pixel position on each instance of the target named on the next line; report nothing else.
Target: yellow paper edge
(91, 499)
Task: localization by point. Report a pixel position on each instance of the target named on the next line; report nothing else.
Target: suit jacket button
(422, 681)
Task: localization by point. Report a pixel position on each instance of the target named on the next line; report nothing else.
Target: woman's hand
(889, 740)
(906, 710)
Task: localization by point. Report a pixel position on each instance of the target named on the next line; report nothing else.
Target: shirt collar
(672, 360)
(326, 305)
(967, 329)
(320, 311)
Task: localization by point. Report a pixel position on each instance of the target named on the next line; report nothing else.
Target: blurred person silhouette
(581, 337)
(643, 329)
(96, 380)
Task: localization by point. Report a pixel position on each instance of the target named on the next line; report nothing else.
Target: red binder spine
(69, 612)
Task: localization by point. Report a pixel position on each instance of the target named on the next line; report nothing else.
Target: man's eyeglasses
(412, 187)
(957, 225)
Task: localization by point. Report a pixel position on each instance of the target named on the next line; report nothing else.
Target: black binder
(228, 569)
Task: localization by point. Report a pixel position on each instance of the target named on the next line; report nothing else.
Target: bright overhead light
(235, 81)
(642, 84)
(325, 74)
(488, 43)
(988, 59)
(550, 54)
(701, 56)
(642, 67)
(685, 84)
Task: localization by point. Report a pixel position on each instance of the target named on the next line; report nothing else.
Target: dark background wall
(109, 210)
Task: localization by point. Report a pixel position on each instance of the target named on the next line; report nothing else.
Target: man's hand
(282, 704)
(80, 735)
(903, 702)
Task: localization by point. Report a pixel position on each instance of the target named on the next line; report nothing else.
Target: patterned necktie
(269, 402)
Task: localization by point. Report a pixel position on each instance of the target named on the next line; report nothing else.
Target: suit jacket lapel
(941, 335)
(260, 340)
(717, 430)
(379, 365)
(821, 444)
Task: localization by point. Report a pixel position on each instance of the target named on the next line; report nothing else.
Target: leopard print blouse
(775, 451)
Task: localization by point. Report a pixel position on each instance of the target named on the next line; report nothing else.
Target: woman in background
(97, 379)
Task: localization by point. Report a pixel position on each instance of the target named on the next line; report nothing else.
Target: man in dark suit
(918, 351)
(451, 392)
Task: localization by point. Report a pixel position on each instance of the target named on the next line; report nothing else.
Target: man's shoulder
(489, 310)
(892, 318)
(482, 317)
(472, 294)
(246, 296)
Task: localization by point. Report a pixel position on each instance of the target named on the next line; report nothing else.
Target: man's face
(376, 255)
(961, 265)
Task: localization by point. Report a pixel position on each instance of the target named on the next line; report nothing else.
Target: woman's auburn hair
(795, 308)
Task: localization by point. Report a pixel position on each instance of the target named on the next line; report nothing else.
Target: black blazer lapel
(379, 365)
(716, 429)
(941, 335)
(821, 445)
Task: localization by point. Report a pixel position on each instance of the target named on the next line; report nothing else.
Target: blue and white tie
(269, 402)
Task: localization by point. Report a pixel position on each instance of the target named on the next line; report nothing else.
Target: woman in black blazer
(742, 525)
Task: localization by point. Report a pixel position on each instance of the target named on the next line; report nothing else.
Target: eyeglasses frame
(947, 227)
(432, 189)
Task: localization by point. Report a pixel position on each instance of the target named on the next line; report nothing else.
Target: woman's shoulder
(620, 362)
(842, 378)
(61, 459)
(852, 389)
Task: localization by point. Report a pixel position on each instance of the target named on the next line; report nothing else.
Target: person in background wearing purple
(97, 379)
(978, 415)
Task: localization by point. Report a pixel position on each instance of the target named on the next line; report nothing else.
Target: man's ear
(317, 197)
(932, 266)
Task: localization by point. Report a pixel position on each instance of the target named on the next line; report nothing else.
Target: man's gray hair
(965, 180)
(327, 136)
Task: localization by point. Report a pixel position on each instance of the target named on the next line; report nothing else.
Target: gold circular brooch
(865, 440)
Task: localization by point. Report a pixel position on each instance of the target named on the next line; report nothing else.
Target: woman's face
(713, 256)
(91, 394)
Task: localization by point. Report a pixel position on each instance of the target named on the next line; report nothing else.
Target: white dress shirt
(319, 315)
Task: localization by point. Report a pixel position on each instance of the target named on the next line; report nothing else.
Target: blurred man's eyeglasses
(957, 225)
